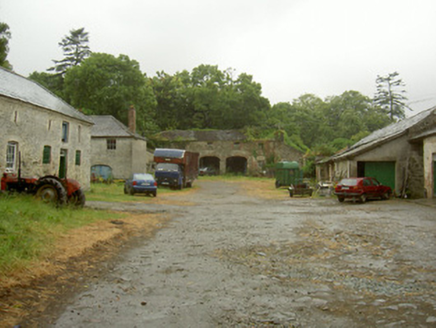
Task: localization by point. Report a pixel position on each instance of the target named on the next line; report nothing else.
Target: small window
(79, 132)
(11, 155)
(65, 128)
(46, 155)
(260, 146)
(78, 157)
(111, 144)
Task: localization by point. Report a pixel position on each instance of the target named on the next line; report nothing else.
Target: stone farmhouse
(231, 151)
(401, 155)
(52, 137)
(117, 151)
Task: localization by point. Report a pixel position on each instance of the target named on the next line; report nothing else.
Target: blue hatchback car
(141, 183)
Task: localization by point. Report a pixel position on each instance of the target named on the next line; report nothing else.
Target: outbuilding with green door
(401, 155)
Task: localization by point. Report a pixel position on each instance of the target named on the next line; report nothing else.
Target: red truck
(175, 168)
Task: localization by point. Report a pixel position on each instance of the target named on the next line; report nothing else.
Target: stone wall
(429, 160)
(130, 156)
(32, 128)
(258, 154)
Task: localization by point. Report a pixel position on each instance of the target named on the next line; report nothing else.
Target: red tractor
(48, 188)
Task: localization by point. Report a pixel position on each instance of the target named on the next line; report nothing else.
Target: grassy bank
(29, 228)
(114, 192)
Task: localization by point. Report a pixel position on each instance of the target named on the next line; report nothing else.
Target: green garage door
(382, 171)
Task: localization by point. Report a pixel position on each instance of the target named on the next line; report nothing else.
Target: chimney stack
(132, 119)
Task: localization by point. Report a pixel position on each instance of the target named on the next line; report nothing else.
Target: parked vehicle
(49, 188)
(361, 189)
(287, 174)
(207, 171)
(175, 168)
(302, 189)
(143, 183)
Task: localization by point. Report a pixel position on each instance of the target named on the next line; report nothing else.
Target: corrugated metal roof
(20, 88)
(387, 133)
(109, 126)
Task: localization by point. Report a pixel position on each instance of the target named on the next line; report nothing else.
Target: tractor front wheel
(77, 198)
(50, 190)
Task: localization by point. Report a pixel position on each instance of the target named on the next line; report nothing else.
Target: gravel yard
(230, 259)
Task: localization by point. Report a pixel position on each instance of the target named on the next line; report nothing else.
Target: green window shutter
(78, 157)
(46, 156)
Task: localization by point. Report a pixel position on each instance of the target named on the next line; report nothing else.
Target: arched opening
(236, 164)
(209, 165)
(101, 173)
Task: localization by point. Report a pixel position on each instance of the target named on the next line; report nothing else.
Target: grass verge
(114, 192)
(29, 228)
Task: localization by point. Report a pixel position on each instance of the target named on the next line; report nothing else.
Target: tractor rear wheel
(50, 190)
(77, 198)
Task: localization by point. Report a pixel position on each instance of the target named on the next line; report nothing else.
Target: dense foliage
(207, 98)
(5, 36)
(108, 85)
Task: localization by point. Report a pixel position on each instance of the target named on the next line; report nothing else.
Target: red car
(361, 189)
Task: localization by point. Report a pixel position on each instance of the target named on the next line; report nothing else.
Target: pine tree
(390, 95)
(75, 48)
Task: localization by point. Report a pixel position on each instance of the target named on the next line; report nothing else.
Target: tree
(52, 82)
(327, 125)
(173, 102)
(5, 36)
(107, 85)
(75, 48)
(390, 95)
(208, 98)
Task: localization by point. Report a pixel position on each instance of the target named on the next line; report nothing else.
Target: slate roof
(385, 134)
(20, 88)
(108, 126)
(216, 135)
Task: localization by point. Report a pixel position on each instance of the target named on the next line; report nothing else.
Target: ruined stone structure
(117, 151)
(230, 151)
(52, 137)
(401, 155)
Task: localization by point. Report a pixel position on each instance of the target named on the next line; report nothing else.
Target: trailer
(175, 168)
(288, 174)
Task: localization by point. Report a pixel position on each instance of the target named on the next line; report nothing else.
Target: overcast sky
(291, 47)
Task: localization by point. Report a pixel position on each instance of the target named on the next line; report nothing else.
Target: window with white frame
(11, 155)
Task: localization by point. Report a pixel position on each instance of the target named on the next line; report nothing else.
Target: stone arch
(210, 161)
(236, 164)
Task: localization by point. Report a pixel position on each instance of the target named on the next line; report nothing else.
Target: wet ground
(233, 260)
